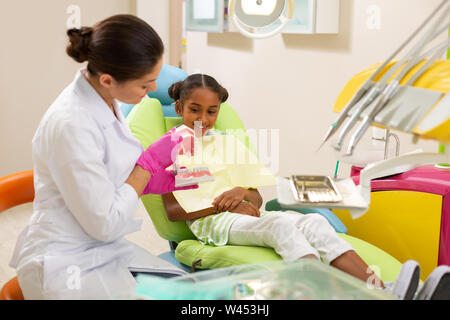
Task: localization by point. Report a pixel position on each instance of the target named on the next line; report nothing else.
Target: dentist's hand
(158, 156)
(161, 153)
(163, 181)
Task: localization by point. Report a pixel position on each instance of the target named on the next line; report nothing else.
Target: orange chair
(15, 189)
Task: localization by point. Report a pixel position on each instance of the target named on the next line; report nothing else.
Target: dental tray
(188, 177)
(314, 189)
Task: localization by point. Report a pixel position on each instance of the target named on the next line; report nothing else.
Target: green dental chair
(155, 116)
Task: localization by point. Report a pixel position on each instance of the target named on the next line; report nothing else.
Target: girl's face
(202, 105)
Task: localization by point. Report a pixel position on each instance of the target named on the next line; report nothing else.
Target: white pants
(292, 235)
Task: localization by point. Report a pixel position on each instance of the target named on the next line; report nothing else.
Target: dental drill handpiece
(381, 102)
(368, 83)
(366, 100)
(383, 99)
(340, 119)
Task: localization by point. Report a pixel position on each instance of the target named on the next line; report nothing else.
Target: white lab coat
(73, 246)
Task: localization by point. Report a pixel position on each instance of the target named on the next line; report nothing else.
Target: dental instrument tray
(314, 189)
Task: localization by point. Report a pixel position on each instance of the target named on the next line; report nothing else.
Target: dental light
(260, 19)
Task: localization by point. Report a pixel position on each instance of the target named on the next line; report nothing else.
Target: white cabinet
(314, 16)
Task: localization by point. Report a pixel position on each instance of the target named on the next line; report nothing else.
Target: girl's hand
(229, 200)
(246, 208)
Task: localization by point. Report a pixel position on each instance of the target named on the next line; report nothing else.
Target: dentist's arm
(103, 209)
(138, 179)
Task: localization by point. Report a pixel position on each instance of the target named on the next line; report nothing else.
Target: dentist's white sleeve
(76, 163)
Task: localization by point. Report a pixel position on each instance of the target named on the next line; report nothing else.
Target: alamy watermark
(373, 21)
(73, 281)
(74, 19)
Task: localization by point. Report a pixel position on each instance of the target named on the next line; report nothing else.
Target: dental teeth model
(188, 177)
(189, 144)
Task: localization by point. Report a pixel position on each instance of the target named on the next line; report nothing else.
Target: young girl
(235, 216)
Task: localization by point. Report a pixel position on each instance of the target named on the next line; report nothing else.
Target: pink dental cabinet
(408, 217)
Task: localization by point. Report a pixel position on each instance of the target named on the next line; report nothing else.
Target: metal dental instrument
(338, 122)
(392, 89)
(371, 95)
(369, 82)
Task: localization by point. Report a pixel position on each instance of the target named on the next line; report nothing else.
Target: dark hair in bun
(123, 46)
(182, 90)
(175, 90)
(78, 46)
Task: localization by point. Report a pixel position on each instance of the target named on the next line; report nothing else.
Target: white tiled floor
(15, 219)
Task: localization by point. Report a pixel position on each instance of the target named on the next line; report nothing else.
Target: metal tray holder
(314, 189)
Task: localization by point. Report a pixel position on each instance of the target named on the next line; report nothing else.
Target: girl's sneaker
(407, 281)
(437, 285)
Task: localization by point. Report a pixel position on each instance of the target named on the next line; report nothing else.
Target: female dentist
(89, 170)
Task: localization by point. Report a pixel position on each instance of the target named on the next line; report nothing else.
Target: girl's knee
(280, 228)
(281, 222)
(316, 225)
(317, 220)
(318, 217)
